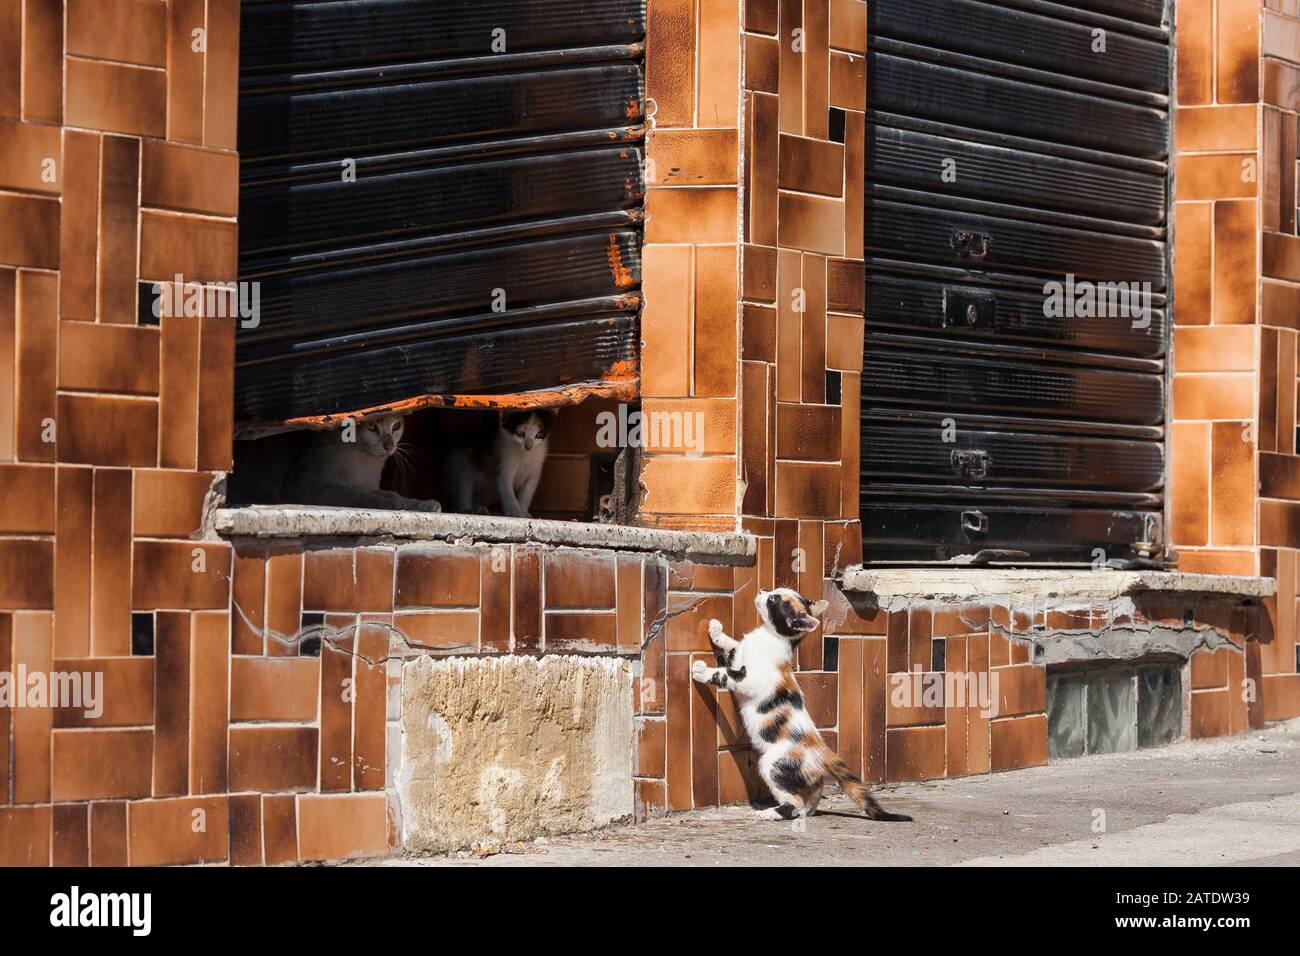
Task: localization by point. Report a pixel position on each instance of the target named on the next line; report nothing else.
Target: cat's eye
(372, 426)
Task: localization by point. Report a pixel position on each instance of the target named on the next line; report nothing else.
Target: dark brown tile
(209, 702)
(273, 758)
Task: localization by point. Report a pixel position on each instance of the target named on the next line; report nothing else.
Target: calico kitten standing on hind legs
(794, 761)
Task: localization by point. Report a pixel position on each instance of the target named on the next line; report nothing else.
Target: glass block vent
(1113, 709)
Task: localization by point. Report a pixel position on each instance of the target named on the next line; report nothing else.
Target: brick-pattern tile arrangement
(1234, 470)
(227, 734)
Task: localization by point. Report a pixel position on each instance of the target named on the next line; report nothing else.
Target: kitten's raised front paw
(771, 813)
(700, 672)
(715, 630)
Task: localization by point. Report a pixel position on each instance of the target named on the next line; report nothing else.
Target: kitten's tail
(859, 792)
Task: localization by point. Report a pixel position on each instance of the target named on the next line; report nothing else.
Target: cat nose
(388, 444)
(528, 444)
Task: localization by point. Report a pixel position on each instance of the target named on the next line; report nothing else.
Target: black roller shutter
(991, 427)
(476, 170)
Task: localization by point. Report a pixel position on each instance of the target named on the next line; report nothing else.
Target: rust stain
(621, 382)
(633, 108)
(623, 277)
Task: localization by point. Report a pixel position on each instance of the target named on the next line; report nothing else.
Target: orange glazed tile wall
(1234, 473)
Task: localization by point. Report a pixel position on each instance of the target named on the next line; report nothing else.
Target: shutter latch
(971, 245)
(974, 522)
(972, 463)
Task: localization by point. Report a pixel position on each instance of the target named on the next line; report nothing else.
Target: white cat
(333, 470)
(500, 473)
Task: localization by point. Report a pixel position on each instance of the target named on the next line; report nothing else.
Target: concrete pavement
(1232, 801)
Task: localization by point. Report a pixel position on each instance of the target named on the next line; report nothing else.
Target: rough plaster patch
(512, 748)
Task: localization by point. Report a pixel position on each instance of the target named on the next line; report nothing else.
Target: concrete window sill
(965, 584)
(262, 521)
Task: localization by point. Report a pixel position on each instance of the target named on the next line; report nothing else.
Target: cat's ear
(546, 419)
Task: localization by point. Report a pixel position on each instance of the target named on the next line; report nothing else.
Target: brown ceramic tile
(170, 503)
(178, 438)
(209, 696)
(221, 74)
(171, 719)
(374, 579)
(1215, 127)
(811, 165)
(808, 432)
(495, 575)
(848, 82)
(694, 157)
(327, 580)
(42, 85)
(526, 618)
(790, 300)
(132, 32)
(1234, 261)
(629, 589)
(666, 321)
(26, 574)
(248, 599)
(854, 196)
(1018, 742)
(678, 712)
(108, 840)
(1213, 396)
(1232, 486)
(110, 564)
(30, 157)
(95, 764)
(670, 62)
(807, 489)
(37, 341)
(79, 235)
(1218, 176)
(577, 580)
(216, 393)
(1193, 269)
(813, 330)
(915, 753)
(369, 708)
(70, 835)
(73, 489)
(274, 689)
(171, 574)
(1210, 714)
(761, 16)
(175, 832)
(1281, 257)
(95, 357)
(1195, 51)
(27, 503)
(102, 430)
(337, 691)
(447, 630)
(702, 214)
(689, 486)
(761, 63)
(246, 829)
(116, 97)
(200, 249)
(185, 84)
(1225, 348)
(759, 333)
(1237, 50)
(128, 692)
(688, 622)
(8, 357)
(1022, 689)
(280, 829)
(11, 58)
(762, 163)
(715, 332)
(29, 767)
(849, 25)
(719, 39)
(581, 633)
(845, 286)
(811, 223)
(31, 234)
(650, 744)
(791, 68)
(437, 577)
(25, 836)
(272, 758)
(758, 273)
(339, 827)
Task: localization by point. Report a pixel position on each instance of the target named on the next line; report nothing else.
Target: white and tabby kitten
(333, 471)
(500, 473)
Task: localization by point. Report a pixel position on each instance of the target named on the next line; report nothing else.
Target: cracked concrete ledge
(964, 584)
(261, 521)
